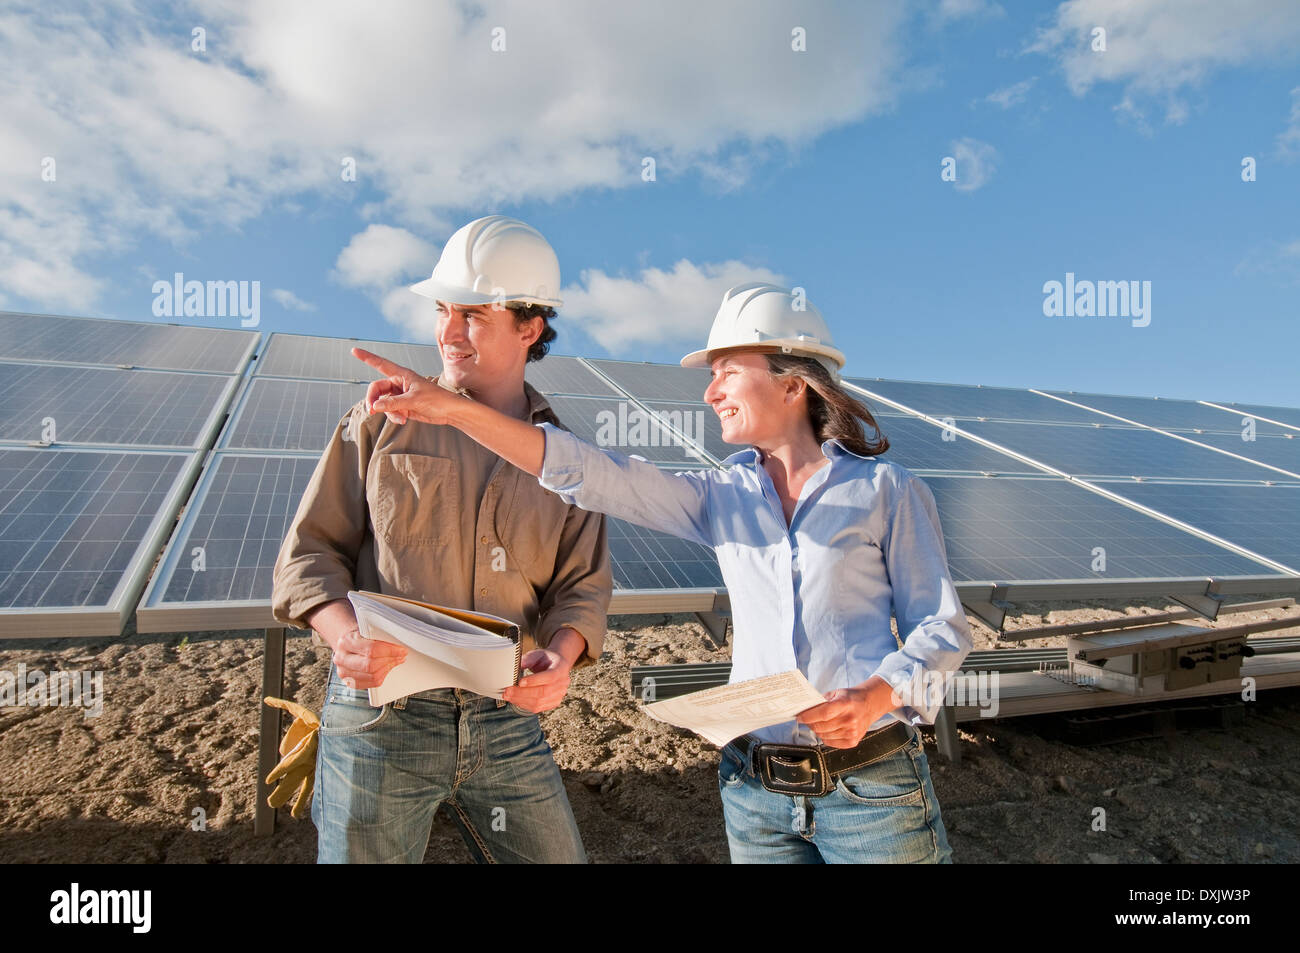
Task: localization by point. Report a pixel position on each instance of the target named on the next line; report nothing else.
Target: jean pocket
(891, 782)
(349, 712)
(731, 769)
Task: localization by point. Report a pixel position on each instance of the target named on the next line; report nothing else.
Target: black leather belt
(811, 771)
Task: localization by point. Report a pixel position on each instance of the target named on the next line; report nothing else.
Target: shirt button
(483, 540)
(482, 592)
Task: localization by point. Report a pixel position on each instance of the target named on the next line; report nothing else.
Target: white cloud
(1012, 95)
(960, 9)
(976, 163)
(153, 138)
(657, 306)
(1288, 141)
(290, 301)
(1277, 259)
(1159, 48)
(383, 262)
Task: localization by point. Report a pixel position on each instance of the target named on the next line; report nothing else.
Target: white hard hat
(765, 317)
(495, 259)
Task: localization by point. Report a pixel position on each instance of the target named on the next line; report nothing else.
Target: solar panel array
(102, 425)
(82, 519)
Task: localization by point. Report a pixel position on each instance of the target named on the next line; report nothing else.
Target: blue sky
(818, 168)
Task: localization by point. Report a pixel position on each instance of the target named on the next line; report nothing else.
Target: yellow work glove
(296, 771)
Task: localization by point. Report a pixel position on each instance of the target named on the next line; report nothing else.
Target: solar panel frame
(1289, 416)
(120, 521)
(655, 382)
(313, 357)
(98, 396)
(1164, 413)
(971, 401)
(642, 436)
(557, 374)
(64, 339)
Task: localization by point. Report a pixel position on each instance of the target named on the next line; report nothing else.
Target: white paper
(729, 711)
(444, 652)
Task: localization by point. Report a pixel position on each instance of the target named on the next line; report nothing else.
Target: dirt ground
(179, 732)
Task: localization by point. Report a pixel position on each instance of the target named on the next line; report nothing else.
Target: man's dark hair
(526, 312)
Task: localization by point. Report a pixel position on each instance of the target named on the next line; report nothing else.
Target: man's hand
(546, 687)
(843, 719)
(403, 394)
(365, 663)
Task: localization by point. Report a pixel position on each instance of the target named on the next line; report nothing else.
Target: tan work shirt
(422, 511)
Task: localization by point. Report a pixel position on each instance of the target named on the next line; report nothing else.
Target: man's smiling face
(481, 345)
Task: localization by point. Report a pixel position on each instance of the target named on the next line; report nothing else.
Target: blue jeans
(883, 813)
(381, 774)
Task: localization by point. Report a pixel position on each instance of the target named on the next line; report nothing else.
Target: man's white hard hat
(758, 316)
(495, 259)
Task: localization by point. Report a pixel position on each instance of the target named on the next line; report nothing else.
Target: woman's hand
(843, 719)
(402, 393)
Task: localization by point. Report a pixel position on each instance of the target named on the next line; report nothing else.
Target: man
(422, 511)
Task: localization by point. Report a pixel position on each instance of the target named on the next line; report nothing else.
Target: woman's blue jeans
(382, 773)
(884, 813)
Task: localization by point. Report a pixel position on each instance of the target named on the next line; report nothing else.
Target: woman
(816, 541)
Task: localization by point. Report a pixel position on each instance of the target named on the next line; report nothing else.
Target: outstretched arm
(403, 394)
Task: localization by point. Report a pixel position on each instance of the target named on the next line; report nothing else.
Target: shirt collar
(830, 448)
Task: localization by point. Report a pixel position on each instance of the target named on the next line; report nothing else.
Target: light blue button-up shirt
(814, 595)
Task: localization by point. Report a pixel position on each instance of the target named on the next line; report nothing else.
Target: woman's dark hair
(526, 312)
(832, 411)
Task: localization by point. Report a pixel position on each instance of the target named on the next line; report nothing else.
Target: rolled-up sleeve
(318, 559)
(579, 593)
(631, 489)
(931, 622)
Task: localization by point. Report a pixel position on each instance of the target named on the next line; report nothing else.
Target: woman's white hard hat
(495, 259)
(768, 318)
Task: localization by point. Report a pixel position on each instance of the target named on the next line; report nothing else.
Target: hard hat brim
(453, 294)
(706, 357)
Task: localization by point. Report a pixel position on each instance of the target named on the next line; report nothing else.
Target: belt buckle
(793, 760)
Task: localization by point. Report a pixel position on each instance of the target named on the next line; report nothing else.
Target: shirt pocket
(414, 498)
(530, 525)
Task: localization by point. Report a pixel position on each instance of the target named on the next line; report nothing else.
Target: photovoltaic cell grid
(644, 559)
(566, 375)
(1180, 415)
(918, 445)
(279, 414)
(320, 358)
(968, 401)
(242, 512)
(94, 405)
(620, 425)
(657, 381)
(1116, 451)
(1285, 415)
(1278, 451)
(71, 521)
(40, 337)
(1005, 529)
(1263, 519)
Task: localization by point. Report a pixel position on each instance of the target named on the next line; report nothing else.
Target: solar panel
(43, 337)
(276, 414)
(644, 559)
(109, 406)
(1167, 414)
(566, 375)
(621, 425)
(1272, 449)
(1004, 529)
(321, 358)
(1115, 451)
(1285, 415)
(971, 401)
(77, 532)
(1262, 519)
(225, 548)
(918, 445)
(657, 381)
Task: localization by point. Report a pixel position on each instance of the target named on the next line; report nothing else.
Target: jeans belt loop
(399, 704)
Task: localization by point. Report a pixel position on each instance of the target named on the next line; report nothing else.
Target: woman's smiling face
(754, 407)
